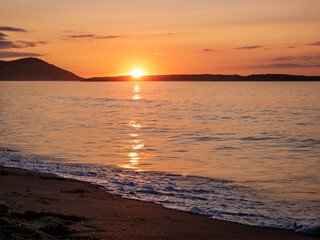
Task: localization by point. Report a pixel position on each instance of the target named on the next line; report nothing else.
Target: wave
(217, 198)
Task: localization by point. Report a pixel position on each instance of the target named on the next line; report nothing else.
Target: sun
(136, 73)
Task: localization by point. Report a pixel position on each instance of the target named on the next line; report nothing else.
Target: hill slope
(33, 69)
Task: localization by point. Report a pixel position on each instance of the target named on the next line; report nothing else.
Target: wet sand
(42, 206)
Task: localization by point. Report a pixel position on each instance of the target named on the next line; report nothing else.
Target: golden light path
(135, 138)
(136, 90)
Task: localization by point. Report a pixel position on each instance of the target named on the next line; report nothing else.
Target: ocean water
(246, 152)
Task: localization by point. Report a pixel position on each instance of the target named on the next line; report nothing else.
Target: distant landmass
(209, 77)
(34, 69)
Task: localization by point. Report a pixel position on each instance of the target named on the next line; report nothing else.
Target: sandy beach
(42, 206)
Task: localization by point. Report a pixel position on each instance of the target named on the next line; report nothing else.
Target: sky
(110, 37)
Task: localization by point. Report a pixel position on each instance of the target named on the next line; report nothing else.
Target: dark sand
(41, 206)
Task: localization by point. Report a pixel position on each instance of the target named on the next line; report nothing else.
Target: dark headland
(34, 69)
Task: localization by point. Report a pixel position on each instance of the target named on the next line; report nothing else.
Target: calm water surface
(262, 136)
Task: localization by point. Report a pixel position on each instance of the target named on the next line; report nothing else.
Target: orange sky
(106, 37)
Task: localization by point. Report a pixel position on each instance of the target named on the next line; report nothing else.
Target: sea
(246, 152)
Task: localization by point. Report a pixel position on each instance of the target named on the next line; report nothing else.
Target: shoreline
(35, 205)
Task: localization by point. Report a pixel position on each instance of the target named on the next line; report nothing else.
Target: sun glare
(136, 73)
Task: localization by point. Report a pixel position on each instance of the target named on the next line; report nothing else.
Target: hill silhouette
(27, 69)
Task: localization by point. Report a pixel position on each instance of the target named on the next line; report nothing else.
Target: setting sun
(137, 73)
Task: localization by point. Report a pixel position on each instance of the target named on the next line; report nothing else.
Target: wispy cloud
(42, 42)
(248, 47)
(23, 44)
(207, 50)
(2, 35)
(315, 43)
(12, 29)
(81, 36)
(6, 54)
(93, 36)
(290, 58)
(288, 65)
(109, 37)
(163, 34)
(5, 44)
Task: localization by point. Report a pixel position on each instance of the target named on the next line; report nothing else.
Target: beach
(36, 205)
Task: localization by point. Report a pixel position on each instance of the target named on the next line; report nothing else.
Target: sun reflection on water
(134, 124)
(136, 90)
(136, 97)
(138, 146)
(132, 154)
(135, 138)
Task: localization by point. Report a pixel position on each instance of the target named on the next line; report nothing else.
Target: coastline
(36, 205)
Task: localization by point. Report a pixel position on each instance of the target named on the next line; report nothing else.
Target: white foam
(311, 230)
(196, 210)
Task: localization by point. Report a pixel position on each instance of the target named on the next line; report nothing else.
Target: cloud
(108, 37)
(248, 47)
(5, 54)
(291, 47)
(7, 44)
(93, 36)
(289, 58)
(315, 43)
(4, 44)
(42, 42)
(12, 29)
(2, 35)
(206, 49)
(163, 34)
(288, 65)
(23, 44)
(81, 36)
